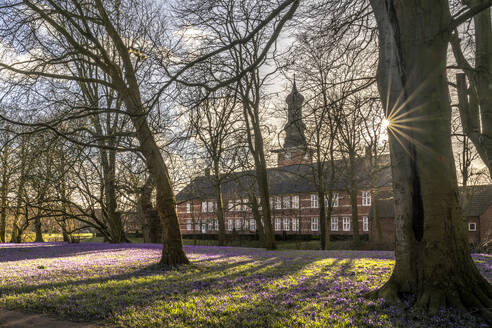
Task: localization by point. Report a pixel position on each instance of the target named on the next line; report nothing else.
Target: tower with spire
(294, 149)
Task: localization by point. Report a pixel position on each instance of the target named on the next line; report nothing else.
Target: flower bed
(223, 287)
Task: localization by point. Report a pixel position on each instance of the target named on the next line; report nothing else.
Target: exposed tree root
(474, 297)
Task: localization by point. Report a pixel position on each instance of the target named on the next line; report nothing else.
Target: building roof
(475, 200)
(293, 179)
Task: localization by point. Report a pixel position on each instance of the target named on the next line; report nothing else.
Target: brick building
(294, 200)
(476, 204)
(293, 193)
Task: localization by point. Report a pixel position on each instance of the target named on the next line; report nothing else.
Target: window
(188, 224)
(295, 201)
(188, 208)
(238, 224)
(346, 223)
(245, 205)
(366, 198)
(334, 223)
(211, 225)
(314, 224)
(278, 226)
(204, 207)
(204, 227)
(335, 199)
(472, 226)
(229, 225)
(197, 226)
(216, 225)
(246, 225)
(306, 156)
(286, 224)
(286, 202)
(295, 224)
(365, 223)
(211, 206)
(252, 224)
(288, 155)
(314, 201)
(278, 202)
(230, 205)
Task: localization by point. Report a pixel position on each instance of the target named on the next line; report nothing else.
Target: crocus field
(122, 286)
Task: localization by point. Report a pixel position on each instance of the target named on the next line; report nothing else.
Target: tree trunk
(353, 200)
(172, 252)
(220, 204)
(4, 194)
(38, 229)
(432, 255)
(257, 216)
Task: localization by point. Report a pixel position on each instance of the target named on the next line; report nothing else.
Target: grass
(121, 286)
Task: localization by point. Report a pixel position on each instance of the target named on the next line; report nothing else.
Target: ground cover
(121, 285)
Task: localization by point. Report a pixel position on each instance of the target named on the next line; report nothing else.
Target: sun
(385, 124)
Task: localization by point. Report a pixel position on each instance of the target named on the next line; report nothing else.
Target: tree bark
(38, 229)
(432, 255)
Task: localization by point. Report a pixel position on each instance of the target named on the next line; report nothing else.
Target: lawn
(121, 285)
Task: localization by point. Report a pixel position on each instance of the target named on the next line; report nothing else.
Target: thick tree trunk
(432, 255)
(38, 229)
(172, 252)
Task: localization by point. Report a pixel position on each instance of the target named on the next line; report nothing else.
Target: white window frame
(286, 224)
(245, 204)
(216, 225)
(278, 203)
(204, 207)
(335, 201)
(334, 223)
(295, 201)
(189, 225)
(288, 155)
(295, 224)
(252, 224)
(314, 224)
(470, 226)
(210, 224)
(210, 207)
(278, 224)
(188, 207)
(285, 201)
(230, 224)
(366, 198)
(365, 223)
(346, 223)
(204, 227)
(246, 225)
(238, 224)
(198, 225)
(314, 201)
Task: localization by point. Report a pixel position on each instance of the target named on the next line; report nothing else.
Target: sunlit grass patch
(123, 286)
